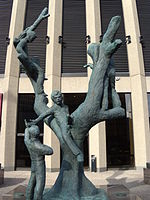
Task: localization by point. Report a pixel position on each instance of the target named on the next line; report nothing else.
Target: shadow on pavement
(12, 181)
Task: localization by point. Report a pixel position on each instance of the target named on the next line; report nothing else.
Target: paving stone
(120, 184)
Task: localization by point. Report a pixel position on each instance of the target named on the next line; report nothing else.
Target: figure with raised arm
(37, 153)
(32, 65)
(44, 14)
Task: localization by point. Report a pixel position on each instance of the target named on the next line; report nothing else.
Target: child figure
(37, 153)
(61, 114)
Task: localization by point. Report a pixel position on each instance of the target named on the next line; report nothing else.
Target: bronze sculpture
(72, 182)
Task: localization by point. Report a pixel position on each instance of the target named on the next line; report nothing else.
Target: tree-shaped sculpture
(72, 182)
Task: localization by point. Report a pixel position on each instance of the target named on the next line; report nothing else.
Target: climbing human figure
(37, 152)
(60, 112)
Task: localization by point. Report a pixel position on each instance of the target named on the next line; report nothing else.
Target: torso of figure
(61, 114)
(35, 151)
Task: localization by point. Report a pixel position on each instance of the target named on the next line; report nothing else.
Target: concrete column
(138, 85)
(96, 147)
(93, 24)
(97, 135)
(9, 115)
(53, 73)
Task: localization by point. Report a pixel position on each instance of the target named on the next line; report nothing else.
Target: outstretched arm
(31, 65)
(114, 113)
(46, 150)
(44, 14)
(49, 112)
(21, 41)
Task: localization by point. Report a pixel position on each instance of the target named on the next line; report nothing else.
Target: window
(38, 47)
(25, 111)
(5, 16)
(143, 8)
(74, 55)
(108, 10)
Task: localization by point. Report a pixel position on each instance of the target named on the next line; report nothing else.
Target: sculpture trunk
(71, 182)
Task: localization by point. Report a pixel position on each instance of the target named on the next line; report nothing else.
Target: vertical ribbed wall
(74, 33)
(38, 47)
(143, 8)
(5, 15)
(109, 9)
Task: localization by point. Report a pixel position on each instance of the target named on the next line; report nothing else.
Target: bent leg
(71, 144)
(113, 113)
(115, 99)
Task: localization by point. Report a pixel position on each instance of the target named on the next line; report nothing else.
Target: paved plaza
(122, 184)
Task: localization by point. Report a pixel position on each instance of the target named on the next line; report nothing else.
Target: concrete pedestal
(1, 175)
(147, 176)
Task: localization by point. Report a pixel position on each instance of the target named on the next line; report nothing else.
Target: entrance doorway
(119, 137)
(25, 111)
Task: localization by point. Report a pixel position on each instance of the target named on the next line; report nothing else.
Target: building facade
(61, 45)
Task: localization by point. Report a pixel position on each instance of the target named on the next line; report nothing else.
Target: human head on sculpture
(34, 131)
(57, 97)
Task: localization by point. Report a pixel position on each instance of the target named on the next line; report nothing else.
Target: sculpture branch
(35, 72)
(92, 109)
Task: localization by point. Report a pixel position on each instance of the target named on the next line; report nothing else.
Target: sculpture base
(101, 195)
(114, 192)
